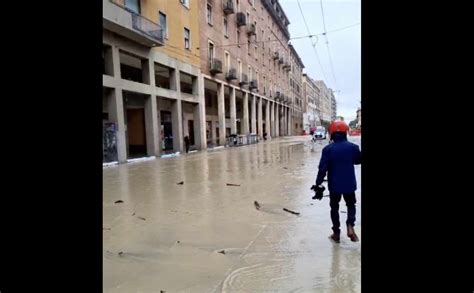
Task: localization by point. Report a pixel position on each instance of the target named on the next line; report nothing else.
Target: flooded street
(205, 236)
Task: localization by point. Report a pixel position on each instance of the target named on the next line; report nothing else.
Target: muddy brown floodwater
(168, 236)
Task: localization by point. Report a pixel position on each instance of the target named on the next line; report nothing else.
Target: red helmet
(338, 126)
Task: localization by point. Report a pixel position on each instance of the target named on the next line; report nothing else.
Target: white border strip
(141, 159)
(170, 155)
(216, 148)
(109, 164)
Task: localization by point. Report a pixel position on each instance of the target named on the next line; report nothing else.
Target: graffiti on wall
(109, 142)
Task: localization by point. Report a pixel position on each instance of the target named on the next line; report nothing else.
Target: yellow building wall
(178, 17)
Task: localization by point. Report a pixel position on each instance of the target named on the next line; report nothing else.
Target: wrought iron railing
(244, 79)
(143, 24)
(216, 66)
(228, 6)
(241, 19)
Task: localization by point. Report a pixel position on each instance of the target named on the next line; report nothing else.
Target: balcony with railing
(251, 29)
(276, 55)
(253, 84)
(243, 79)
(241, 19)
(277, 96)
(126, 22)
(215, 66)
(231, 74)
(228, 7)
(269, 5)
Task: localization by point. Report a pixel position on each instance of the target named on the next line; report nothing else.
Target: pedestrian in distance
(186, 143)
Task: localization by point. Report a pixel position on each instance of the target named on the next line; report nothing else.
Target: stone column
(116, 115)
(267, 118)
(253, 114)
(260, 120)
(177, 125)
(221, 113)
(233, 113)
(151, 126)
(245, 122)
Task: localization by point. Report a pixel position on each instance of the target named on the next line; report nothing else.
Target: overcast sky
(344, 46)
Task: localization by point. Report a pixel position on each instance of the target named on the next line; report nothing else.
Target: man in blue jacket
(338, 160)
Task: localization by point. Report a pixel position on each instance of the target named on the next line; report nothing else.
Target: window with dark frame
(187, 39)
(133, 5)
(163, 24)
(226, 28)
(211, 51)
(209, 13)
(185, 3)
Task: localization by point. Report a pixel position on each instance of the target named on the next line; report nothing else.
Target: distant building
(310, 103)
(333, 106)
(324, 103)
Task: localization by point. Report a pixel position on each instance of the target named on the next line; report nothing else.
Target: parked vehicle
(320, 133)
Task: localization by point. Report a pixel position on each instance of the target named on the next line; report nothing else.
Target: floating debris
(285, 167)
(133, 214)
(105, 228)
(292, 212)
(141, 218)
(222, 251)
(178, 241)
(257, 205)
(120, 253)
(180, 183)
(231, 184)
(119, 201)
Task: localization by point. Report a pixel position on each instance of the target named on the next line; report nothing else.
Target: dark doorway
(136, 133)
(209, 132)
(166, 131)
(191, 131)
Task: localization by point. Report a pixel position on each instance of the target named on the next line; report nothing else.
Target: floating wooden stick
(257, 205)
(291, 212)
(231, 184)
